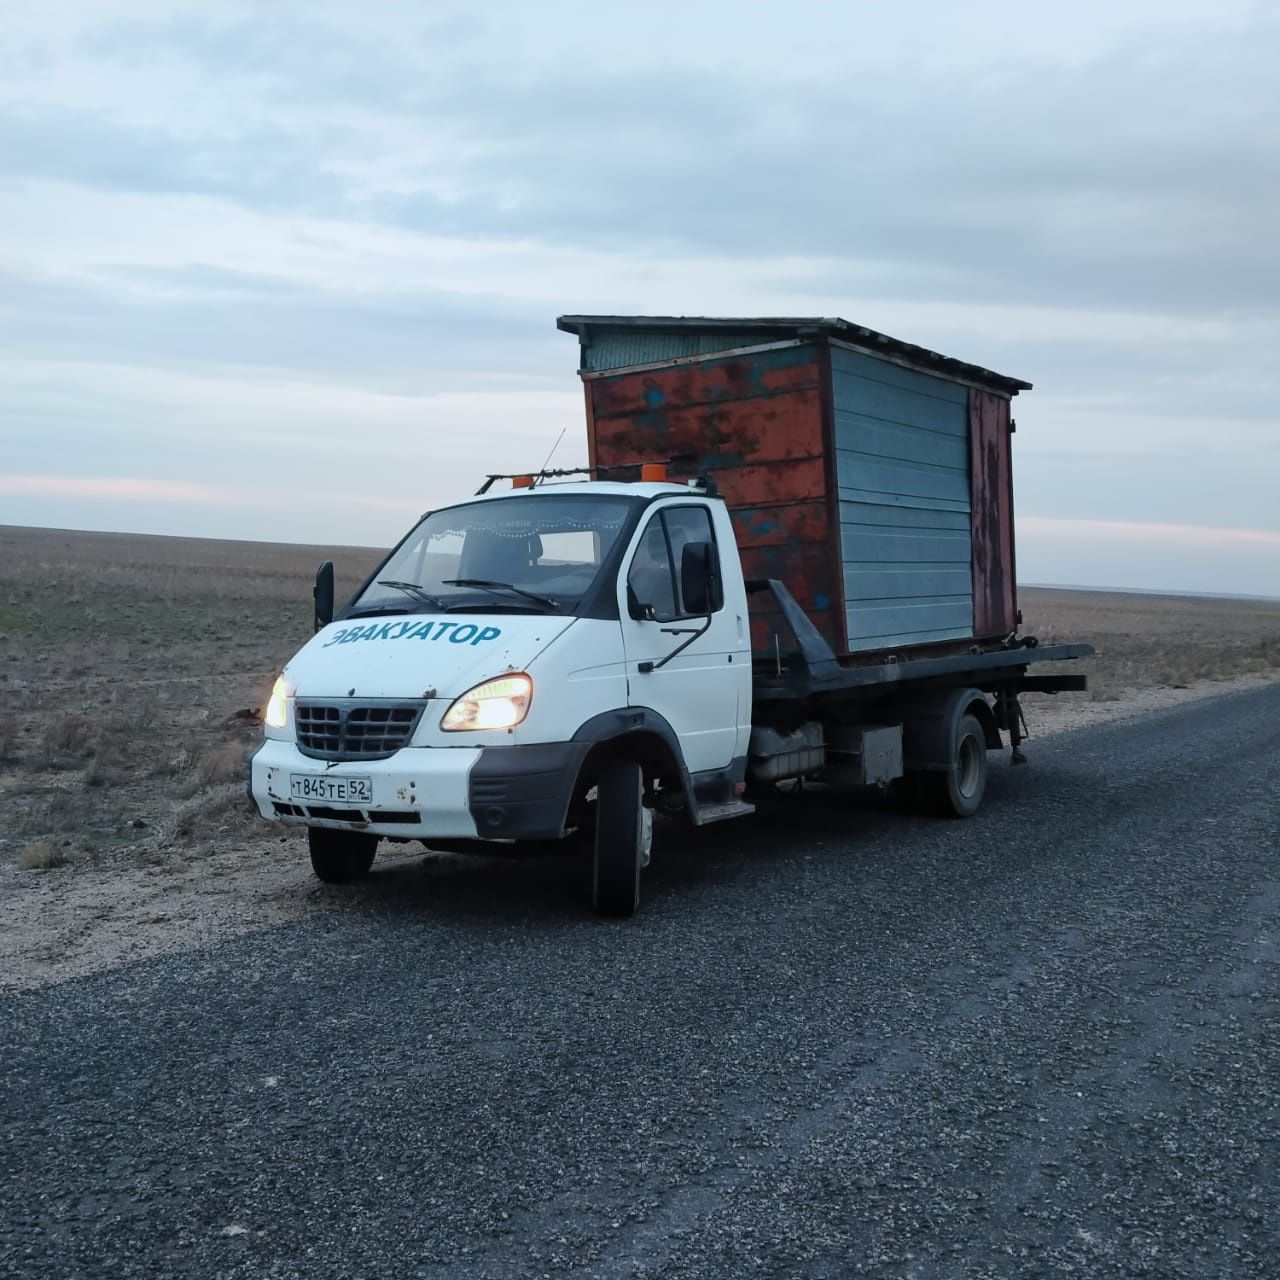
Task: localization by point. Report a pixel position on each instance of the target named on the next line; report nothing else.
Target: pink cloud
(1187, 535)
(126, 489)
(152, 489)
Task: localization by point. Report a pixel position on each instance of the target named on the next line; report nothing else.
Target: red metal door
(994, 589)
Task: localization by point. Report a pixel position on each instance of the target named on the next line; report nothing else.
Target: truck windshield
(537, 553)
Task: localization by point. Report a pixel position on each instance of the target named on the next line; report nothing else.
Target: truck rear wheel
(339, 857)
(958, 792)
(622, 836)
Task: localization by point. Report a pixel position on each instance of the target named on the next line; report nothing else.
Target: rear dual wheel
(955, 792)
(624, 836)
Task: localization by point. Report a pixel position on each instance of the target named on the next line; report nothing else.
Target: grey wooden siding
(902, 466)
(622, 349)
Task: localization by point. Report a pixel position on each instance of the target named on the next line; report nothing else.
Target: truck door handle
(692, 632)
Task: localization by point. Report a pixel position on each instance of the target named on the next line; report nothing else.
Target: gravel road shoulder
(841, 1041)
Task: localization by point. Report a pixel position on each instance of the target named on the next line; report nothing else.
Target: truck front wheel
(339, 857)
(623, 833)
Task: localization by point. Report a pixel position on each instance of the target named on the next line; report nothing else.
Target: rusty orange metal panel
(770, 525)
(790, 542)
(592, 460)
(724, 414)
(755, 424)
(994, 590)
(752, 376)
(805, 568)
(776, 484)
(771, 634)
(780, 428)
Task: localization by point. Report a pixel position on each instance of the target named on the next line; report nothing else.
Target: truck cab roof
(645, 490)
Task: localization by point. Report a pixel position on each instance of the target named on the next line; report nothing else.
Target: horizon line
(1180, 593)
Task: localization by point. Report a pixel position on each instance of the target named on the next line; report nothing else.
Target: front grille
(342, 729)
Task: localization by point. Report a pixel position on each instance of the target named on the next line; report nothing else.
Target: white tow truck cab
(571, 657)
(523, 665)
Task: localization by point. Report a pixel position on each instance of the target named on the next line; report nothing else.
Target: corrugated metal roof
(629, 337)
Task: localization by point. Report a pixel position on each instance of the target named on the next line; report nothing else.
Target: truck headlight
(500, 703)
(277, 713)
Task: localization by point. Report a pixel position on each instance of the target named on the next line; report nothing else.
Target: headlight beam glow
(500, 703)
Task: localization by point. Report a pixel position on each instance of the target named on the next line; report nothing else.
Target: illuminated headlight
(277, 714)
(500, 703)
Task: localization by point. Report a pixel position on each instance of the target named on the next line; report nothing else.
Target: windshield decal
(413, 629)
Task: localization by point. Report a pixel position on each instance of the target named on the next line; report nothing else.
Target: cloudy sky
(291, 271)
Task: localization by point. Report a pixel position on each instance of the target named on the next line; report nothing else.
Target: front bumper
(418, 793)
(458, 793)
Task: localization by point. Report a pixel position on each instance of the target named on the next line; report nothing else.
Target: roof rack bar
(548, 473)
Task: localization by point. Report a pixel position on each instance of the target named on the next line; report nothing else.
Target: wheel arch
(636, 733)
(930, 722)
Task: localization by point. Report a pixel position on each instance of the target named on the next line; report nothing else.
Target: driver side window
(651, 587)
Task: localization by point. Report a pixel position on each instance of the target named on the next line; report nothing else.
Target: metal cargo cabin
(871, 476)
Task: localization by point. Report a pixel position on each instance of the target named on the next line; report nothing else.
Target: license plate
(315, 786)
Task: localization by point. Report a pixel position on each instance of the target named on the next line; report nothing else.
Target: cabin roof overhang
(796, 328)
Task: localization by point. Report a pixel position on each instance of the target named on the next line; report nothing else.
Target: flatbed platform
(814, 671)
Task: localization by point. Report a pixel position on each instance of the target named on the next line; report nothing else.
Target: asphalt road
(837, 1041)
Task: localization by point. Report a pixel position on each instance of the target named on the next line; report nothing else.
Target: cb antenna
(554, 447)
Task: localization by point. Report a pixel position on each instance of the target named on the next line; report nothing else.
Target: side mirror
(322, 593)
(698, 577)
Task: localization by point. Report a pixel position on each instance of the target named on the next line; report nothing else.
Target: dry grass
(99, 773)
(40, 855)
(221, 764)
(123, 660)
(66, 737)
(1146, 641)
(215, 813)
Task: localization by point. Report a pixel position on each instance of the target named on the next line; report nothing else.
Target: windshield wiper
(487, 584)
(389, 610)
(414, 590)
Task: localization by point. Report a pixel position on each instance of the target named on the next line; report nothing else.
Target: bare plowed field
(132, 670)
